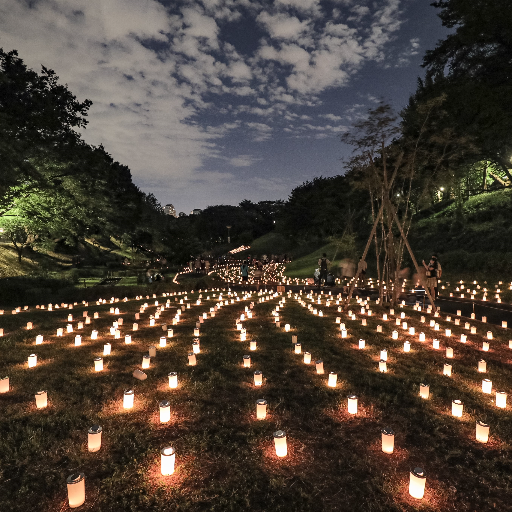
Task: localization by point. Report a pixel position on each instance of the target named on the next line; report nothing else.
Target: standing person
(431, 274)
(361, 271)
(324, 264)
(439, 272)
(244, 269)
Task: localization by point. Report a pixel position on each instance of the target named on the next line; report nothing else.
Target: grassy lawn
(225, 457)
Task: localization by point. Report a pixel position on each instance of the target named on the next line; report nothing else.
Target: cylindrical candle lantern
(261, 409)
(252, 345)
(457, 408)
(152, 351)
(196, 331)
(379, 328)
(383, 366)
(449, 352)
(485, 346)
(41, 399)
(196, 348)
(412, 331)
(407, 346)
(404, 326)
(280, 443)
(504, 324)
(482, 431)
(287, 327)
(307, 357)
(76, 489)
(384, 355)
(163, 341)
(417, 481)
(362, 343)
(352, 404)
(4, 384)
(424, 390)
(447, 369)
(60, 331)
(167, 460)
(96, 315)
(422, 336)
(398, 321)
(94, 438)
(319, 365)
(388, 440)
(98, 364)
(69, 328)
(343, 333)
(32, 360)
(165, 411)
(333, 379)
(78, 340)
(258, 378)
(489, 335)
(384, 316)
(39, 339)
(128, 398)
(447, 332)
(191, 359)
(501, 399)
(170, 333)
(135, 327)
(146, 359)
(294, 338)
(482, 366)
(247, 361)
(435, 344)
(395, 335)
(487, 386)
(173, 380)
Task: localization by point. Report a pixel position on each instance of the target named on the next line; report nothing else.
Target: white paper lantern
(98, 364)
(76, 489)
(388, 440)
(307, 357)
(167, 460)
(319, 365)
(128, 398)
(32, 360)
(280, 443)
(165, 411)
(352, 404)
(333, 379)
(424, 390)
(258, 378)
(261, 409)
(482, 432)
(41, 399)
(94, 438)
(447, 369)
(457, 408)
(417, 480)
(449, 352)
(4, 384)
(501, 399)
(407, 346)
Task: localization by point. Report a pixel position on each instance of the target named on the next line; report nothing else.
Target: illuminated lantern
(404, 326)
(449, 352)
(484, 319)
(501, 399)
(362, 343)
(280, 443)
(384, 355)
(294, 339)
(379, 328)
(422, 336)
(152, 351)
(98, 364)
(447, 369)
(384, 316)
(352, 404)
(96, 315)
(487, 386)
(146, 359)
(163, 341)
(151, 322)
(298, 348)
(261, 409)
(383, 366)
(489, 335)
(41, 399)
(135, 327)
(78, 340)
(76, 489)
(412, 330)
(70, 318)
(196, 347)
(167, 460)
(39, 339)
(307, 357)
(32, 360)
(80, 325)
(482, 366)
(504, 324)
(482, 431)
(69, 328)
(388, 440)
(319, 365)
(432, 323)
(4, 384)
(94, 438)
(287, 327)
(252, 345)
(447, 332)
(128, 398)
(170, 333)
(258, 378)
(398, 321)
(173, 380)
(196, 332)
(459, 312)
(191, 359)
(165, 411)
(463, 338)
(106, 349)
(407, 346)
(394, 335)
(485, 346)
(343, 333)
(424, 390)
(363, 321)
(117, 334)
(435, 344)
(333, 378)
(473, 330)
(417, 479)
(457, 408)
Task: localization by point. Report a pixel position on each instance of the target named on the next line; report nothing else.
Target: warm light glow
(247, 361)
(449, 352)
(258, 378)
(94, 438)
(298, 348)
(4, 384)
(407, 346)
(457, 408)
(485, 346)
(501, 399)
(447, 369)
(417, 481)
(287, 327)
(252, 345)
(424, 390)
(463, 338)
(482, 366)
(319, 365)
(384, 355)
(482, 432)
(165, 411)
(173, 380)
(422, 336)
(352, 404)
(78, 340)
(383, 366)
(32, 360)
(191, 359)
(362, 344)
(76, 490)
(163, 342)
(395, 335)
(307, 357)
(261, 409)
(98, 364)
(333, 379)
(167, 460)
(41, 399)
(128, 398)
(146, 361)
(280, 443)
(196, 347)
(435, 344)
(388, 440)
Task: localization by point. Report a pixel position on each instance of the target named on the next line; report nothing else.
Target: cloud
(243, 161)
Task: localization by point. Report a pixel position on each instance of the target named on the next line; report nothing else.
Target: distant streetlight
(229, 239)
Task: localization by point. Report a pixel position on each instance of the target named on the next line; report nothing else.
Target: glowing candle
(94, 438)
(287, 327)
(383, 366)
(412, 330)
(398, 321)
(424, 390)
(379, 328)
(417, 481)
(485, 346)
(78, 340)
(449, 352)
(362, 343)
(482, 431)
(473, 330)
(298, 348)
(261, 409)
(384, 355)
(76, 489)
(333, 379)
(307, 357)
(98, 364)
(407, 346)
(280, 443)
(32, 360)
(41, 399)
(135, 327)
(165, 411)
(404, 326)
(319, 365)
(163, 341)
(352, 404)
(482, 366)
(4, 384)
(501, 399)
(447, 332)
(457, 408)
(447, 369)
(167, 460)
(388, 440)
(294, 339)
(463, 338)
(69, 328)
(343, 333)
(258, 378)
(435, 344)
(394, 335)
(487, 386)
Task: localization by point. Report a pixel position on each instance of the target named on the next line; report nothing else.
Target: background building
(170, 210)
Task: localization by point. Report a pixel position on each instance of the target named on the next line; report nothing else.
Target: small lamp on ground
(449, 352)
(258, 378)
(482, 431)
(388, 440)
(41, 399)
(333, 379)
(280, 443)
(128, 399)
(352, 404)
(4, 384)
(487, 386)
(424, 390)
(261, 409)
(417, 481)
(76, 489)
(94, 438)
(98, 364)
(173, 380)
(383, 366)
(165, 411)
(192, 359)
(32, 360)
(307, 357)
(457, 408)
(501, 399)
(247, 361)
(252, 345)
(447, 369)
(167, 460)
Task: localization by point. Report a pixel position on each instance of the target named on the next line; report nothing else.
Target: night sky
(218, 101)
